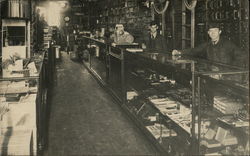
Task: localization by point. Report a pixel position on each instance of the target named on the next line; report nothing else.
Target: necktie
(214, 42)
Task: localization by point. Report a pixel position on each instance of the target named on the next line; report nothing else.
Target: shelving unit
(233, 17)
(130, 13)
(47, 36)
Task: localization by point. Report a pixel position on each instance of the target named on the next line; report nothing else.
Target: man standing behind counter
(154, 42)
(218, 49)
(121, 36)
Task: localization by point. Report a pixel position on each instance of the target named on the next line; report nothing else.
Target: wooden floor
(84, 120)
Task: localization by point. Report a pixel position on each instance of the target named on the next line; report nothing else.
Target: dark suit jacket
(224, 52)
(158, 44)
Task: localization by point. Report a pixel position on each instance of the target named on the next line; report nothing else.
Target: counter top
(230, 75)
(214, 70)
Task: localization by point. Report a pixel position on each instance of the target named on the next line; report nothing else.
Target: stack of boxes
(47, 37)
(226, 105)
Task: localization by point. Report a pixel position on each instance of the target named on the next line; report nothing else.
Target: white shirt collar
(154, 34)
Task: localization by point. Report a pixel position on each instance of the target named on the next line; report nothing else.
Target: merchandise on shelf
(226, 105)
(160, 131)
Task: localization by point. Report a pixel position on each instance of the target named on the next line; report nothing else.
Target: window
(14, 36)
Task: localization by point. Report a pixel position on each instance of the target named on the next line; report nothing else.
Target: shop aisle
(84, 120)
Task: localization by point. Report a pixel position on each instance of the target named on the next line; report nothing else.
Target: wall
(233, 15)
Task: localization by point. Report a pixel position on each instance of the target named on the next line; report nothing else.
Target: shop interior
(124, 77)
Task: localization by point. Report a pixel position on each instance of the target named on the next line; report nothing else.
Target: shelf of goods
(47, 36)
(223, 110)
(23, 95)
(159, 91)
(177, 101)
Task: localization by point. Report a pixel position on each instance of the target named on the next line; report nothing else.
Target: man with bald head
(121, 36)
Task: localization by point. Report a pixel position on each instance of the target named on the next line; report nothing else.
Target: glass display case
(178, 101)
(197, 100)
(116, 79)
(223, 109)
(106, 62)
(95, 56)
(24, 88)
(159, 95)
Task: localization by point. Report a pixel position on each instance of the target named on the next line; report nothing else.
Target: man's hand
(176, 52)
(176, 57)
(143, 46)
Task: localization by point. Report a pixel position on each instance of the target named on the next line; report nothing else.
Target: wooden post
(163, 24)
(152, 12)
(192, 27)
(173, 25)
(193, 137)
(183, 24)
(199, 114)
(124, 91)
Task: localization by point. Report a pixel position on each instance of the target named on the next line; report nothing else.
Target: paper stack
(225, 137)
(231, 120)
(209, 140)
(131, 95)
(159, 130)
(134, 50)
(220, 138)
(4, 86)
(15, 118)
(213, 154)
(16, 143)
(17, 87)
(165, 105)
(32, 69)
(226, 105)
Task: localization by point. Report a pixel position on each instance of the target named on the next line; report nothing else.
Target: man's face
(153, 28)
(214, 33)
(120, 30)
